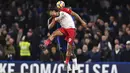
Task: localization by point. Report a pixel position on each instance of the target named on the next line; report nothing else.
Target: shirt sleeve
(67, 10)
(60, 16)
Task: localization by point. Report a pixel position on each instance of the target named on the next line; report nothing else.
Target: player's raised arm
(55, 16)
(79, 18)
(61, 6)
(51, 25)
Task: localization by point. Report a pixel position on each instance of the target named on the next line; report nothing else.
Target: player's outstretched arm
(84, 24)
(51, 25)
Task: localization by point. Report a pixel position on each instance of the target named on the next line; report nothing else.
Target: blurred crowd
(23, 25)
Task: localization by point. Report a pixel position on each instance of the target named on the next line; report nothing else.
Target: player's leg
(68, 55)
(74, 58)
(69, 68)
(52, 36)
(71, 46)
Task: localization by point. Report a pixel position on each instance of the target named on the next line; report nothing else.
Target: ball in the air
(60, 4)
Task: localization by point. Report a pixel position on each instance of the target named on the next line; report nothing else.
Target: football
(60, 4)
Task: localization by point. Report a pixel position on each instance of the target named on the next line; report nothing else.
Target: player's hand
(48, 34)
(84, 24)
(52, 23)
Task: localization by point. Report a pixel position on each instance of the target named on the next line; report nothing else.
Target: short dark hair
(53, 8)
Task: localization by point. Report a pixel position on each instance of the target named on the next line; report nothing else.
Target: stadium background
(107, 38)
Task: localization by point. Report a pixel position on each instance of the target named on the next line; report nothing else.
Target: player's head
(53, 12)
(60, 4)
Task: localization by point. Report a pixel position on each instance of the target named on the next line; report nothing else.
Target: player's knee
(73, 56)
(70, 41)
(68, 53)
(69, 46)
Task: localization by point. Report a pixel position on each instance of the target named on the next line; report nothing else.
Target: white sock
(75, 63)
(69, 68)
